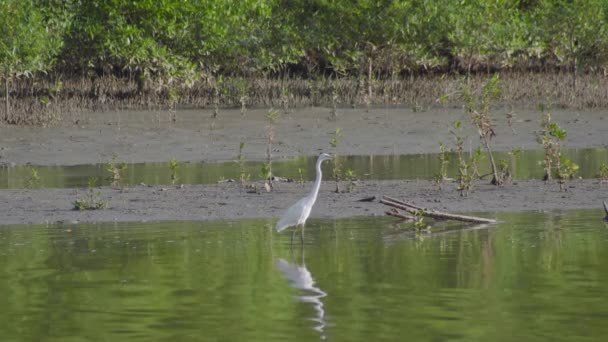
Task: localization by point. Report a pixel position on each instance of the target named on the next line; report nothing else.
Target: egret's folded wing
(291, 215)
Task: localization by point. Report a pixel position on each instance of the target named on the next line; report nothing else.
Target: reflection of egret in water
(300, 278)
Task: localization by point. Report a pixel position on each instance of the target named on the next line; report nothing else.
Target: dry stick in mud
(411, 208)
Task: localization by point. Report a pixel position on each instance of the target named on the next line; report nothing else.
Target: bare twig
(396, 213)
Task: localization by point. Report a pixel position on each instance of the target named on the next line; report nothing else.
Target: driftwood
(396, 213)
(440, 215)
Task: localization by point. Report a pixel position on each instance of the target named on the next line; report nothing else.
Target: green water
(535, 277)
(422, 166)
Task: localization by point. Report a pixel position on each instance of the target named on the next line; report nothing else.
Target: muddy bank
(229, 201)
(150, 136)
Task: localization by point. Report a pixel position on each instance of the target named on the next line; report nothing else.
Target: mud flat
(150, 137)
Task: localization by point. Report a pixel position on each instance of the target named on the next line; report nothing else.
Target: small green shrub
(92, 201)
(116, 171)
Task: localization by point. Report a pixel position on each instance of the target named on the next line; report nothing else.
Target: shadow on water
(385, 167)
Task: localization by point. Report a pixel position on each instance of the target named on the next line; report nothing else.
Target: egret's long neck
(315, 188)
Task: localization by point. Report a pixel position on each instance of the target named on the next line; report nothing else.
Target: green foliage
(167, 40)
(92, 201)
(28, 43)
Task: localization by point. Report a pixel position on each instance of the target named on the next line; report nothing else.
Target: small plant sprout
(465, 179)
(566, 169)
(603, 173)
(444, 161)
(285, 100)
(243, 175)
(173, 96)
(476, 157)
(271, 119)
(438, 180)
(301, 176)
(478, 104)
(335, 158)
(216, 96)
(92, 201)
(115, 169)
(351, 178)
(243, 96)
(334, 106)
(419, 223)
(173, 166)
(33, 181)
(515, 154)
(550, 136)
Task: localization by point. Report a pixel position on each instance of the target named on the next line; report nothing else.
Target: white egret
(297, 214)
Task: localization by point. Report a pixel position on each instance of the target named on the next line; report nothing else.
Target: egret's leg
(302, 236)
(295, 229)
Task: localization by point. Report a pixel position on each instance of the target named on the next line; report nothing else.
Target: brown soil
(150, 137)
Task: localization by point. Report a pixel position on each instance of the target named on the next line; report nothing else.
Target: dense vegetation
(163, 43)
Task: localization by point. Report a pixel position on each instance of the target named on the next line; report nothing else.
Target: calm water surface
(421, 166)
(535, 277)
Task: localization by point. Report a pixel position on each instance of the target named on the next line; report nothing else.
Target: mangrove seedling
(115, 169)
(242, 86)
(476, 157)
(271, 119)
(285, 100)
(351, 178)
(566, 169)
(173, 97)
(444, 161)
(335, 158)
(243, 175)
(550, 136)
(301, 176)
(603, 173)
(438, 180)
(92, 201)
(173, 166)
(465, 179)
(478, 105)
(33, 181)
(419, 223)
(334, 106)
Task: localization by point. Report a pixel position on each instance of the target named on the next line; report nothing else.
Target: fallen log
(413, 209)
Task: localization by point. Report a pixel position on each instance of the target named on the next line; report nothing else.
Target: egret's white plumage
(298, 213)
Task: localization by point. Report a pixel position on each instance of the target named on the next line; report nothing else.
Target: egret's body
(297, 214)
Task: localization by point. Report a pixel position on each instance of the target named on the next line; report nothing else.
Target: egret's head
(324, 156)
